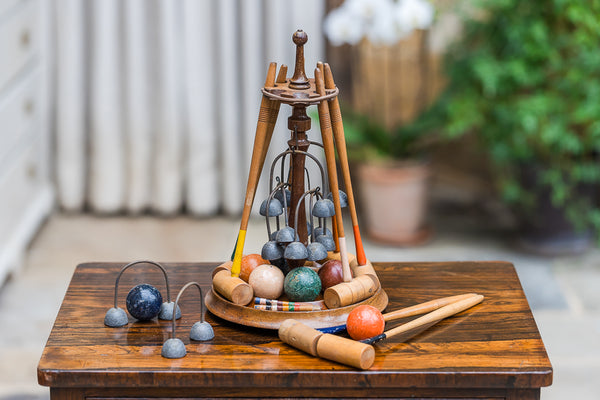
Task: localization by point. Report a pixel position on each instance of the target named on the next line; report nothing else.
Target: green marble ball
(302, 284)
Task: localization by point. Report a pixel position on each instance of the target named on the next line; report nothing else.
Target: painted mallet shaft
(267, 117)
(428, 319)
(327, 135)
(340, 143)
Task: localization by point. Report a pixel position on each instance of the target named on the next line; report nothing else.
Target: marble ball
(365, 322)
(331, 274)
(267, 281)
(249, 262)
(302, 284)
(143, 302)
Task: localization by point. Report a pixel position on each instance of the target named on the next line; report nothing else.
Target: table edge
(535, 378)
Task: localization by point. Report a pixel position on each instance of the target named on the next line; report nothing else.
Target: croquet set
(304, 283)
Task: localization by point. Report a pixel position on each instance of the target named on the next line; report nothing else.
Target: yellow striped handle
(237, 258)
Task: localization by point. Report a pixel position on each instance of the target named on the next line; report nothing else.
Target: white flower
(384, 31)
(383, 22)
(414, 14)
(342, 27)
(368, 10)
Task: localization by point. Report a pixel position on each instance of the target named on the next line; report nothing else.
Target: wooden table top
(495, 344)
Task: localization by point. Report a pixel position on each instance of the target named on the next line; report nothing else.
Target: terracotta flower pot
(393, 201)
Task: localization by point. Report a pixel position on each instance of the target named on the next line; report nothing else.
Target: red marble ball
(249, 262)
(331, 274)
(365, 322)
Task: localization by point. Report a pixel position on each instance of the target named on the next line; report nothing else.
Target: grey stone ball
(288, 197)
(202, 331)
(286, 235)
(275, 208)
(343, 198)
(323, 208)
(271, 251)
(115, 317)
(173, 348)
(322, 231)
(316, 252)
(166, 311)
(295, 251)
(327, 241)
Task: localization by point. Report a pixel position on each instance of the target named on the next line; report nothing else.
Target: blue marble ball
(143, 302)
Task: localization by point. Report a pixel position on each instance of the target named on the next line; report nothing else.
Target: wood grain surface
(493, 346)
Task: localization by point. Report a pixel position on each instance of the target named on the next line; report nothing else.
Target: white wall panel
(253, 77)
(228, 93)
(138, 134)
(167, 165)
(106, 144)
(70, 104)
(279, 48)
(202, 194)
(157, 101)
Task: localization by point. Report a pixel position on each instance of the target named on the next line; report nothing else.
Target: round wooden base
(249, 316)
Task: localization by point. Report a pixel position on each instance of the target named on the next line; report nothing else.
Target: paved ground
(563, 292)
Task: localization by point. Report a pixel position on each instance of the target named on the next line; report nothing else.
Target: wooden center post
(298, 124)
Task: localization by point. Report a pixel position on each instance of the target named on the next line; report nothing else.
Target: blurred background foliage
(524, 78)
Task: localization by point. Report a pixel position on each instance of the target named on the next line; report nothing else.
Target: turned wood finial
(299, 80)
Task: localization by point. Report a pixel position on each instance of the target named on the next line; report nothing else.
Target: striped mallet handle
(316, 303)
(285, 307)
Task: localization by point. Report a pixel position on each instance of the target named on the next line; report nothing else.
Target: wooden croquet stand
(492, 351)
(360, 281)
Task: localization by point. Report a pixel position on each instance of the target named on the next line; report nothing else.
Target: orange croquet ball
(365, 322)
(249, 262)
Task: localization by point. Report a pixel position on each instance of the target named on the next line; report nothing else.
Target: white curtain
(156, 100)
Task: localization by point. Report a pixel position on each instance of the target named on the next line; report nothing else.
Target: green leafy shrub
(525, 78)
(367, 139)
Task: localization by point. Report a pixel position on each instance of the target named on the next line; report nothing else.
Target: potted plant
(525, 79)
(389, 82)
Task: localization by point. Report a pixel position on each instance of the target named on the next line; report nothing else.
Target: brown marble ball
(331, 274)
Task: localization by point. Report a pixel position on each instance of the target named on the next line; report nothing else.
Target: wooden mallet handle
(327, 135)
(225, 266)
(340, 143)
(331, 347)
(232, 288)
(425, 307)
(431, 318)
(346, 293)
(261, 146)
(365, 269)
(264, 131)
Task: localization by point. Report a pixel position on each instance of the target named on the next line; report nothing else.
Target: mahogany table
(492, 351)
